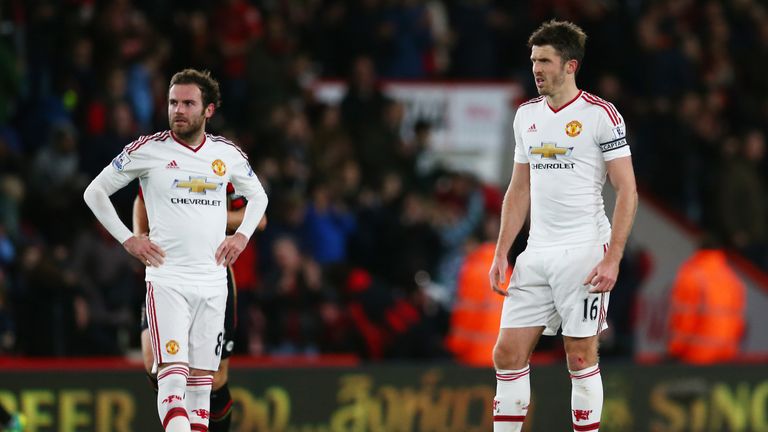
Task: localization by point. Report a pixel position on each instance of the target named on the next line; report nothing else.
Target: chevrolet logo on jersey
(550, 150)
(197, 185)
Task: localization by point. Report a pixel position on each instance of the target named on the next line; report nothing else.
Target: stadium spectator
(742, 207)
(293, 296)
(107, 293)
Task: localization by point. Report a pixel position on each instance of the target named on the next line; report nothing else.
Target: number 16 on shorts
(593, 309)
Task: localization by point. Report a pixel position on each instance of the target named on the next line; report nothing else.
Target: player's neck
(565, 95)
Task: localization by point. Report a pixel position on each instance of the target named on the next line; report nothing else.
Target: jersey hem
(569, 245)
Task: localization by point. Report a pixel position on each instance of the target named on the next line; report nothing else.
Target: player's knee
(580, 359)
(220, 378)
(506, 357)
(173, 376)
(146, 351)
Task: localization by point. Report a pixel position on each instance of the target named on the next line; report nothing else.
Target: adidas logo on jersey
(532, 128)
(172, 164)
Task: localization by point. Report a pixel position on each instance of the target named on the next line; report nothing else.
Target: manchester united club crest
(220, 169)
(172, 347)
(573, 128)
(581, 415)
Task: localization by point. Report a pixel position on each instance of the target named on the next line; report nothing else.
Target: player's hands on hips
(141, 247)
(498, 275)
(230, 249)
(602, 278)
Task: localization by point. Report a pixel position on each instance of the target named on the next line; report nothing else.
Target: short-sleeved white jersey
(185, 193)
(566, 150)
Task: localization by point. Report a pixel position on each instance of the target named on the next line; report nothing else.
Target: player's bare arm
(235, 218)
(514, 210)
(233, 245)
(622, 177)
(139, 216)
(143, 249)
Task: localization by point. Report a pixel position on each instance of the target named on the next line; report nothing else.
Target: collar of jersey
(194, 149)
(555, 111)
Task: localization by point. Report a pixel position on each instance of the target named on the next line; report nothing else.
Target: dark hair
(565, 37)
(209, 87)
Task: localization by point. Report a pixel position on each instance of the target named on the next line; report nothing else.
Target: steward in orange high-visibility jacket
(476, 312)
(706, 321)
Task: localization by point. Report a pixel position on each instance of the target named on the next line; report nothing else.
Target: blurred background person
(707, 304)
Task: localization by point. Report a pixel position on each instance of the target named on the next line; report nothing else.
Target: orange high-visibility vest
(706, 321)
(477, 311)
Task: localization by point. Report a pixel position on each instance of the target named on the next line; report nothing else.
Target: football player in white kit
(566, 142)
(183, 174)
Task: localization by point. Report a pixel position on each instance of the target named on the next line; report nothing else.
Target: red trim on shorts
(601, 315)
(174, 412)
(152, 322)
(589, 427)
(508, 418)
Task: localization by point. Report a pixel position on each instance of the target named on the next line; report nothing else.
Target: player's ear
(571, 66)
(209, 110)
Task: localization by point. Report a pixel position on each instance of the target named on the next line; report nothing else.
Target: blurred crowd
(365, 240)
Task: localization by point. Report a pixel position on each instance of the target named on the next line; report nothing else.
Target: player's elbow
(264, 201)
(627, 190)
(89, 194)
(92, 194)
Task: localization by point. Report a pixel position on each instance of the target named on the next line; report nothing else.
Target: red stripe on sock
(507, 375)
(510, 378)
(174, 412)
(593, 373)
(173, 370)
(508, 418)
(589, 427)
(171, 373)
(199, 427)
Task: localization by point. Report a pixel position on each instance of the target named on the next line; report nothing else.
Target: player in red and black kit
(221, 400)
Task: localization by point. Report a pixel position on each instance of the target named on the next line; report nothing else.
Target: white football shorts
(186, 323)
(547, 289)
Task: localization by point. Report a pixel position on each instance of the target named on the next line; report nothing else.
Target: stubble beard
(552, 85)
(189, 131)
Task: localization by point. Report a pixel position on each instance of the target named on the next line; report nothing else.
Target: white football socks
(513, 394)
(199, 401)
(586, 399)
(171, 384)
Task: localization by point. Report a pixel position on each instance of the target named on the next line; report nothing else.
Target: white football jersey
(566, 151)
(185, 193)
